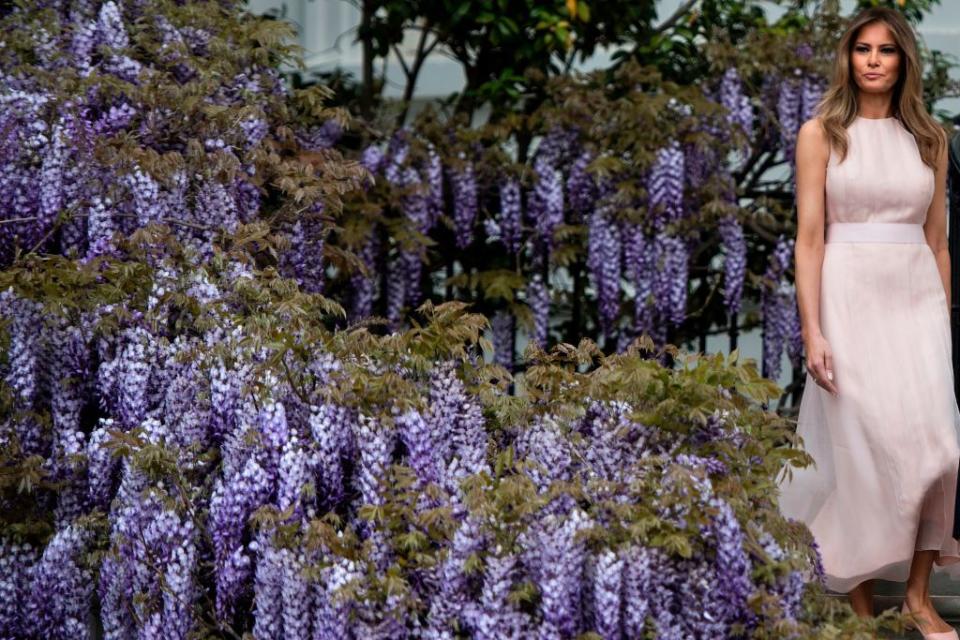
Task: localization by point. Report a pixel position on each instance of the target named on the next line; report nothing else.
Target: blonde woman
(878, 413)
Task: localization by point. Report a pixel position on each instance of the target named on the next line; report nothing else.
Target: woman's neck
(875, 106)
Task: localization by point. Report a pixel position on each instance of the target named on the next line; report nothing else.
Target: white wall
(327, 31)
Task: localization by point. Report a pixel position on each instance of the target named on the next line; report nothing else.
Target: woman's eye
(886, 50)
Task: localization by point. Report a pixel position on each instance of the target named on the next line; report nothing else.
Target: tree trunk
(366, 91)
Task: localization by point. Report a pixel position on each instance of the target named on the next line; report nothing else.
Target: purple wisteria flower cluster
(625, 230)
(796, 103)
(70, 182)
(793, 98)
(734, 262)
(732, 97)
(292, 506)
(781, 317)
(526, 214)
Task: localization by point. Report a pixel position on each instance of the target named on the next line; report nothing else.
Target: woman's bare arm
(812, 155)
(935, 227)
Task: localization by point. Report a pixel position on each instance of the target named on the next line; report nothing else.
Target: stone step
(947, 606)
(944, 592)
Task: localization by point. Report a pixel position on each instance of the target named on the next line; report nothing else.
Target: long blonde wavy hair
(838, 106)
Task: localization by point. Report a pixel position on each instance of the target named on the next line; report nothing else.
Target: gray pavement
(945, 594)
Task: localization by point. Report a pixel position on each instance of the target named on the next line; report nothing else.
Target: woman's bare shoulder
(813, 137)
(813, 130)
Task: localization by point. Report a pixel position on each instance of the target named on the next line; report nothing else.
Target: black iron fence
(953, 221)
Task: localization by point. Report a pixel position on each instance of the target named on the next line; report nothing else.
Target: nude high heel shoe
(937, 635)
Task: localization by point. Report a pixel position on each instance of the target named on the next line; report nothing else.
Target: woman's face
(875, 59)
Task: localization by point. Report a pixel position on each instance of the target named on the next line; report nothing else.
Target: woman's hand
(820, 362)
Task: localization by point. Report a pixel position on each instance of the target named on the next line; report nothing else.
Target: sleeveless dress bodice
(882, 179)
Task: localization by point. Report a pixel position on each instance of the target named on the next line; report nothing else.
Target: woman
(878, 413)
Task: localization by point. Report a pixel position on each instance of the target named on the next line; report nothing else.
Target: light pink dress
(887, 448)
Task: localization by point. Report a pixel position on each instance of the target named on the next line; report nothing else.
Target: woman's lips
(872, 76)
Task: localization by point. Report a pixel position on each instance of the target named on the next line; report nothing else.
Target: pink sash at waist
(875, 232)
